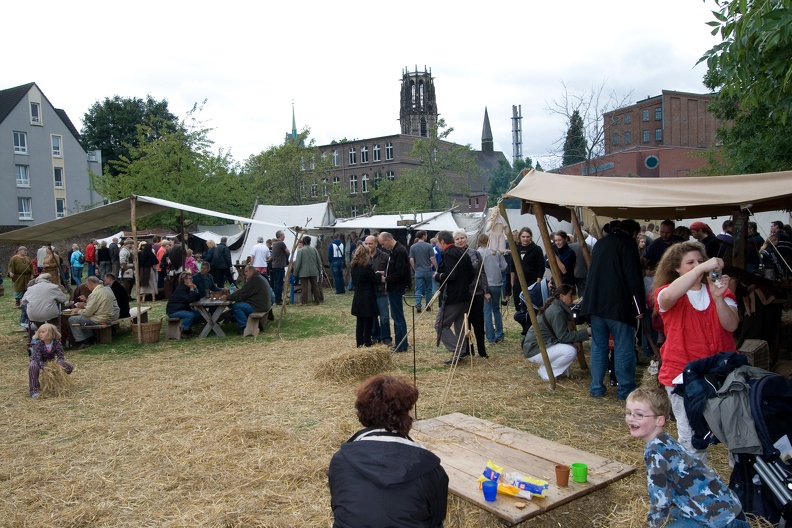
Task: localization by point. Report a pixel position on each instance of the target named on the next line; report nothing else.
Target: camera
(715, 275)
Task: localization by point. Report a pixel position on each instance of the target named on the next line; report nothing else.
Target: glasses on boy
(638, 415)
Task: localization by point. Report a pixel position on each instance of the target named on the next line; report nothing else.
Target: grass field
(239, 432)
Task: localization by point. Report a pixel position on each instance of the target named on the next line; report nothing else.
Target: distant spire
(486, 135)
(294, 123)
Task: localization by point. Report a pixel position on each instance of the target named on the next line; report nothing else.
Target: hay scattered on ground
(355, 364)
(54, 380)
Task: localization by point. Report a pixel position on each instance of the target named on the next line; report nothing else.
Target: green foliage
(575, 144)
(753, 58)
(442, 167)
(177, 164)
(505, 178)
(111, 126)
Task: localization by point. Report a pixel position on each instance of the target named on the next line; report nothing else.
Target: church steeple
(418, 114)
(294, 123)
(487, 146)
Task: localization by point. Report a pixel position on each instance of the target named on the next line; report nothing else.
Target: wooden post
(549, 246)
(739, 235)
(524, 286)
(287, 275)
(579, 234)
(133, 221)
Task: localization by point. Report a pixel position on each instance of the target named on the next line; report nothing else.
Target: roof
(486, 132)
(66, 121)
(115, 213)
(676, 198)
(10, 97)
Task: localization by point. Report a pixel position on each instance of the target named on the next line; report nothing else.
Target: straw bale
(54, 380)
(355, 364)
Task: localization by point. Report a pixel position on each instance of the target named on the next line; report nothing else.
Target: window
(20, 143)
(352, 156)
(615, 120)
(354, 210)
(324, 187)
(35, 114)
(646, 136)
(335, 158)
(353, 184)
(302, 164)
(336, 180)
(477, 202)
(314, 190)
(22, 176)
(376, 152)
(627, 119)
(627, 138)
(658, 113)
(60, 207)
(58, 177)
(56, 146)
(388, 151)
(363, 154)
(25, 208)
(92, 157)
(364, 183)
(303, 188)
(658, 134)
(645, 114)
(377, 180)
(390, 175)
(615, 139)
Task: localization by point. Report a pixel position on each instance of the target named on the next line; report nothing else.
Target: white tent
(431, 221)
(286, 218)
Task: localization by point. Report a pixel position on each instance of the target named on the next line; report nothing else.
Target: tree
(589, 107)
(749, 70)
(753, 58)
(505, 178)
(176, 163)
(111, 126)
(575, 144)
(442, 168)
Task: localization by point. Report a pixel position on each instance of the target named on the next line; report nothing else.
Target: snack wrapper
(492, 472)
(532, 485)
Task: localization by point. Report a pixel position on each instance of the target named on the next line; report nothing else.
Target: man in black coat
(121, 294)
(455, 274)
(614, 299)
(397, 279)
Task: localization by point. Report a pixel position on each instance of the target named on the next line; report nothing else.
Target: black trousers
(363, 330)
(476, 319)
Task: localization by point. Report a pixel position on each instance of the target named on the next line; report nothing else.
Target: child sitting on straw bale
(681, 486)
(47, 347)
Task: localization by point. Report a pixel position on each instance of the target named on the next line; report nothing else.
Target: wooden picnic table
(464, 444)
(204, 307)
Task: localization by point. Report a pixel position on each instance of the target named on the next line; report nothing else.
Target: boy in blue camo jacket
(682, 489)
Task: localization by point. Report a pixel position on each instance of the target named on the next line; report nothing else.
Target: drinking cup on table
(208, 294)
(562, 475)
(579, 472)
(490, 489)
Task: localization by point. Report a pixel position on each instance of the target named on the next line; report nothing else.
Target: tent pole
(287, 276)
(524, 286)
(579, 234)
(548, 244)
(133, 221)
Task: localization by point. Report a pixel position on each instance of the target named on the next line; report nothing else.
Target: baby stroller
(750, 410)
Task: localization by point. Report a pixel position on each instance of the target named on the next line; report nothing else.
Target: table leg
(208, 318)
(215, 326)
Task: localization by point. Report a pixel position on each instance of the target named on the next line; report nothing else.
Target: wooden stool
(104, 334)
(174, 328)
(255, 321)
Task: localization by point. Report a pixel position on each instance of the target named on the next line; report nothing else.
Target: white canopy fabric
(211, 235)
(115, 213)
(286, 218)
(432, 221)
(639, 198)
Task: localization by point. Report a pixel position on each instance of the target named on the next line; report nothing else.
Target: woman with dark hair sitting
(558, 336)
(380, 476)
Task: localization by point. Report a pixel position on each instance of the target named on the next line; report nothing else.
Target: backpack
(81, 259)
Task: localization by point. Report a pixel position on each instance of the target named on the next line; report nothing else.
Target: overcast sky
(341, 62)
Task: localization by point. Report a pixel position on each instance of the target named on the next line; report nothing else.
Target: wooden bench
(174, 328)
(257, 321)
(133, 314)
(103, 332)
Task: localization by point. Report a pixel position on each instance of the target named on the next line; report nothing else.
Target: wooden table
(464, 444)
(204, 307)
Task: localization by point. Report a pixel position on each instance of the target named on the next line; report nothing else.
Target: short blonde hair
(655, 397)
(53, 331)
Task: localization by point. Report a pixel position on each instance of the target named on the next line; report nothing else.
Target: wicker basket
(150, 332)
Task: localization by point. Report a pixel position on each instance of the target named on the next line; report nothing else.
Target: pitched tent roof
(285, 217)
(115, 213)
(655, 197)
(432, 221)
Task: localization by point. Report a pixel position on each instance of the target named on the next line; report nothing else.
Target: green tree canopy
(177, 163)
(506, 177)
(575, 144)
(111, 126)
(442, 167)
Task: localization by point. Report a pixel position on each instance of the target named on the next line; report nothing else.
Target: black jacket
(181, 298)
(122, 298)
(457, 278)
(533, 263)
(364, 302)
(398, 275)
(386, 481)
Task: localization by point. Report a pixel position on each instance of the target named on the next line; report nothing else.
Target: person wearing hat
(702, 232)
(42, 300)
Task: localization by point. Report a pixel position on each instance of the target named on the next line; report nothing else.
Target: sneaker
(418, 308)
(34, 395)
(428, 308)
(186, 332)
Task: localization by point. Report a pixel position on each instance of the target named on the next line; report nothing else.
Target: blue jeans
(399, 324)
(278, 275)
(684, 522)
(381, 331)
(492, 311)
(77, 274)
(338, 276)
(189, 318)
(241, 311)
(91, 269)
(424, 286)
(624, 355)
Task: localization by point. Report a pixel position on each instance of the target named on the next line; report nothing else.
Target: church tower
(418, 114)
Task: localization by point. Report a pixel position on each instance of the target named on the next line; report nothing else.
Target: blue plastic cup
(490, 489)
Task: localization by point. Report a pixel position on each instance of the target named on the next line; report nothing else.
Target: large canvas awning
(115, 213)
(675, 198)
